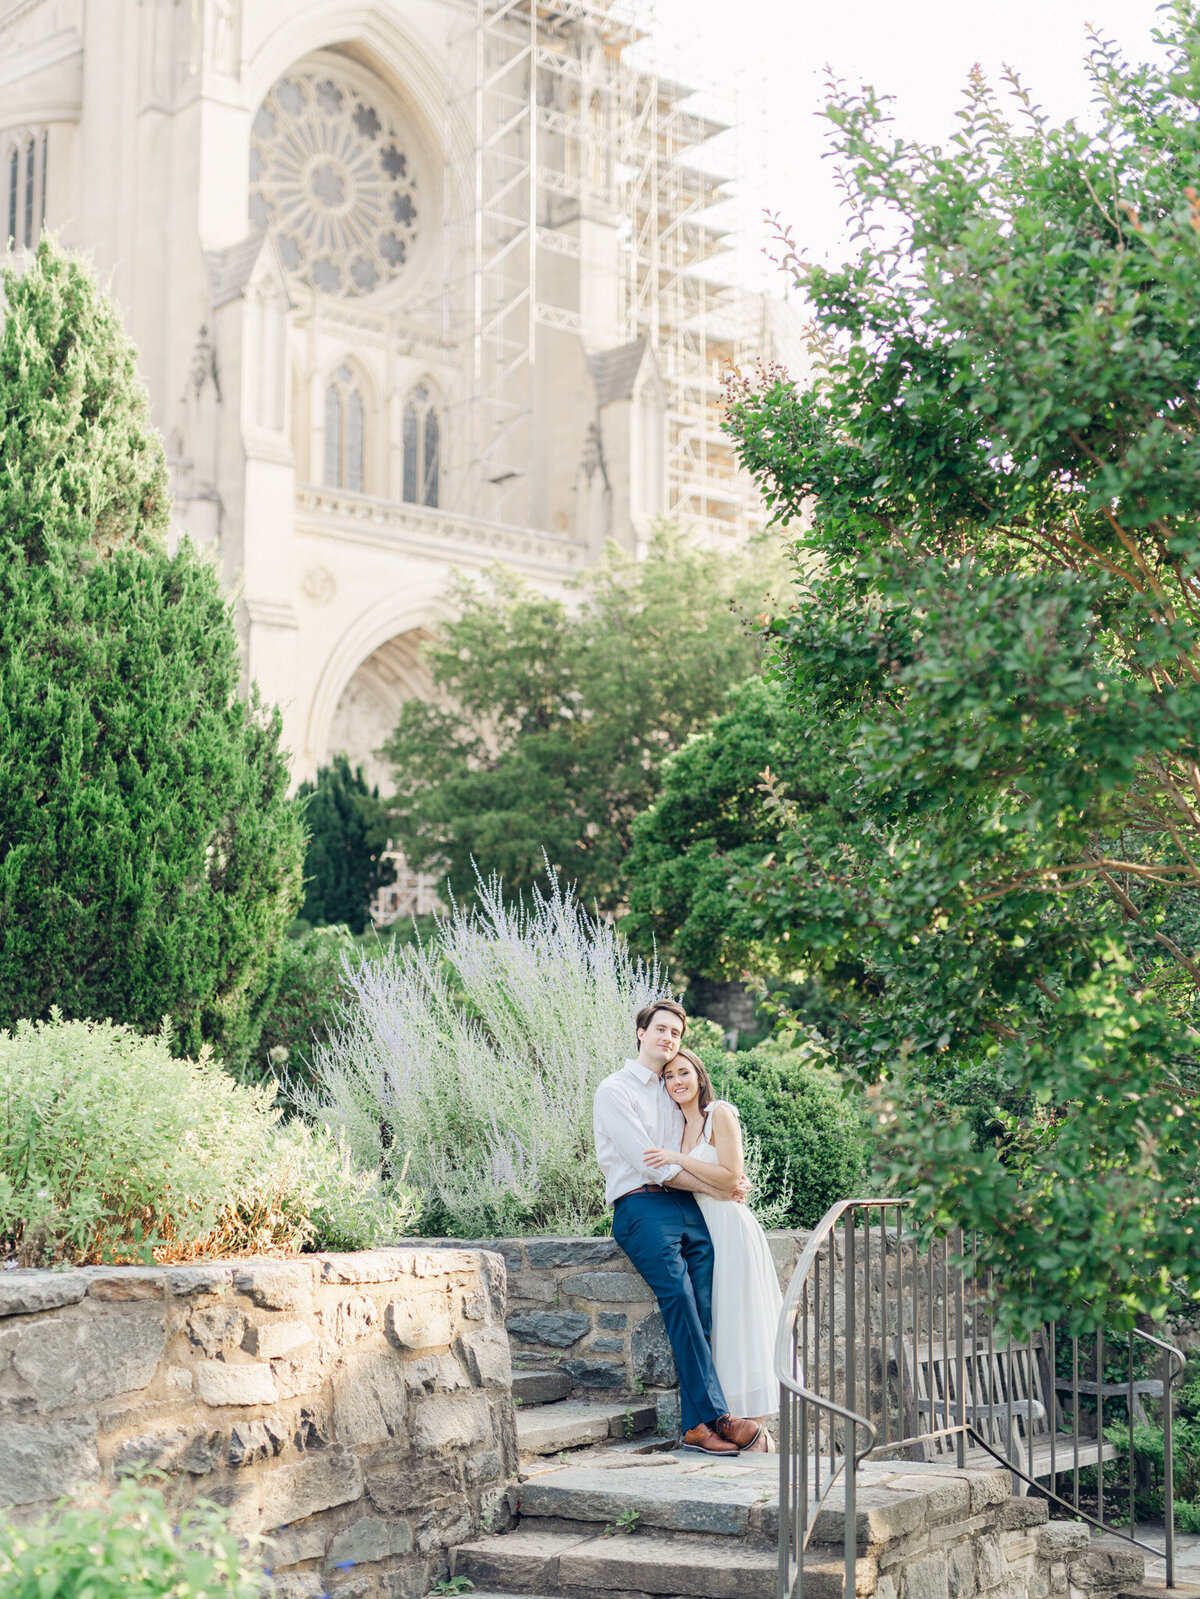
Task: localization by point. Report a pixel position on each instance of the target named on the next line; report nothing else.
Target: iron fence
(887, 1346)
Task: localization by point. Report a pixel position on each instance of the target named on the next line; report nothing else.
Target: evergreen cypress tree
(347, 827)
(149, 855)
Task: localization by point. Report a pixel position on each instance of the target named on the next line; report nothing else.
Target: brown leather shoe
(706, 1441)
(741, 1434)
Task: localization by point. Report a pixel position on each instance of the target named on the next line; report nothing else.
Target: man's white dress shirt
(633, 1113)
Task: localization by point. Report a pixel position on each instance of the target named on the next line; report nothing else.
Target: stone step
(540, 1387)
(1115, 1563)
(676, 1493)
(533, 1562)
(573, 1424)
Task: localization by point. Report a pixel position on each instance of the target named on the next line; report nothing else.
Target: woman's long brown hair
(707, 1092)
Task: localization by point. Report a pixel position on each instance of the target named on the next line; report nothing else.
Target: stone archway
(369, 705)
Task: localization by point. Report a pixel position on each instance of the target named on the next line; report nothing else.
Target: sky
(767, 60)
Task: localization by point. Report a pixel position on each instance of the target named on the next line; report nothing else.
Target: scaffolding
(559, 125)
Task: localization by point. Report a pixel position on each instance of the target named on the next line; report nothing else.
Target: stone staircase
(605, 1507)
(599, 1515)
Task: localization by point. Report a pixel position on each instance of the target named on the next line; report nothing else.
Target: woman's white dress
(746, 1299)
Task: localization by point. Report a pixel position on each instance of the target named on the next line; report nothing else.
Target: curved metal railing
(884, 1345)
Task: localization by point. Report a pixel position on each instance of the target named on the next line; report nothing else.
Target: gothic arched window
(344, 432)
(422, 448)
(24, 178)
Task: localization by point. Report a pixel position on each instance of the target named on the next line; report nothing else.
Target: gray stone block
(484, 1467)
(558, 1329)
(122, 1285)
(925, 1578)
(252, 1441)
(594, 1374)
(607, 1346)
(188, 1281)
(294, 1491)
(23, 1293)
(611, 1287)
(488, 1358)
(298, 1585)
(990, 1565)
(451, 1423)
(277, 1285)
(351, 1318)
(415, 1324)
(668, 1566)
(220, 1384)
(45, 1460)
(441, 1529)
(73, 1359)
(960, 1571)
(543, 1253)
(1058, 1540)
(434, 1374)
(216, 1329)
(195, 1450)
(290, 1548)
(653, 1362)
(612, 1320)
(396, 1491)
(368, 1539)
(370, 1397)
(1022, 1513)
(540, 1387)
(276, 1338)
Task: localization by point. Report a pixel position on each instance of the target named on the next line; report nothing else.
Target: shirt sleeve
(620, 1122)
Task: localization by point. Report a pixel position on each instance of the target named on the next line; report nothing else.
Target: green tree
(997, 640)
(552, 720)
(149, 855)
(347, 836)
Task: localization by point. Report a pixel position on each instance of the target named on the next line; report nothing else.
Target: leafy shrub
(111, 1148)
(303, 1011)
(344, 864)
(474, 1057)
(130, 1547)
(810, 1137)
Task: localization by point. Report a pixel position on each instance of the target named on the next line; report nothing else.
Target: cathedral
(418, 286)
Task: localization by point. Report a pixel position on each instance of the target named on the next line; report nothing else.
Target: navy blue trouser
(665, 1237)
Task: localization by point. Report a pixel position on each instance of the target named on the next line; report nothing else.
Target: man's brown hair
(646, 1014)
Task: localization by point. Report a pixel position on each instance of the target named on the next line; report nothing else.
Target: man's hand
(740, 1190)
(661, 1157)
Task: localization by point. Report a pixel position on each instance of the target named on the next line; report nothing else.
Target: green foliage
(113, 1149)
(130, 1546)
(802, 1133)
(304, 1007)
(471, 1061)
(82, 465)
(149, 855)
(347, 835)
(708, 823)
(995, 636)
(553, 719)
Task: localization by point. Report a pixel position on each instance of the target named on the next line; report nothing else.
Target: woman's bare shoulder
(723, 1113)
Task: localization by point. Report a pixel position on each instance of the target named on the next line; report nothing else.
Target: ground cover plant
(130, 1546)
(469, 1061)
(150, 859)
(996, 634)
(114, 1149)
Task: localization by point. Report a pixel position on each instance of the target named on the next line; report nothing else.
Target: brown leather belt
(646, 1188)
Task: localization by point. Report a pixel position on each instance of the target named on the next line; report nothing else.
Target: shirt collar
(643, 1073)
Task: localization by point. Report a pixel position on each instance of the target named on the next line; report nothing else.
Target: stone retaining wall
(358, 1407)
(580, 1305)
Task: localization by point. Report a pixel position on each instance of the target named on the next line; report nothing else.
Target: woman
(746, 1300)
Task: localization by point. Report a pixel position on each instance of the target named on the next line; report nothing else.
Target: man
(658, 1224)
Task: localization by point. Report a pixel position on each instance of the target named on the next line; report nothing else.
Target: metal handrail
(995, 1367)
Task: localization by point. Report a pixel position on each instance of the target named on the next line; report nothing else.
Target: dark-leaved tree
(149, 855)
(344, 866)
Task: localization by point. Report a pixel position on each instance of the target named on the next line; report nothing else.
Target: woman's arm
(712, 1176)
(727, 1141)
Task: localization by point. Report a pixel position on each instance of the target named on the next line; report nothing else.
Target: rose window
(329, 172)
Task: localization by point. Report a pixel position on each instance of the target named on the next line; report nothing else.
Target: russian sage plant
(469, 1062)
